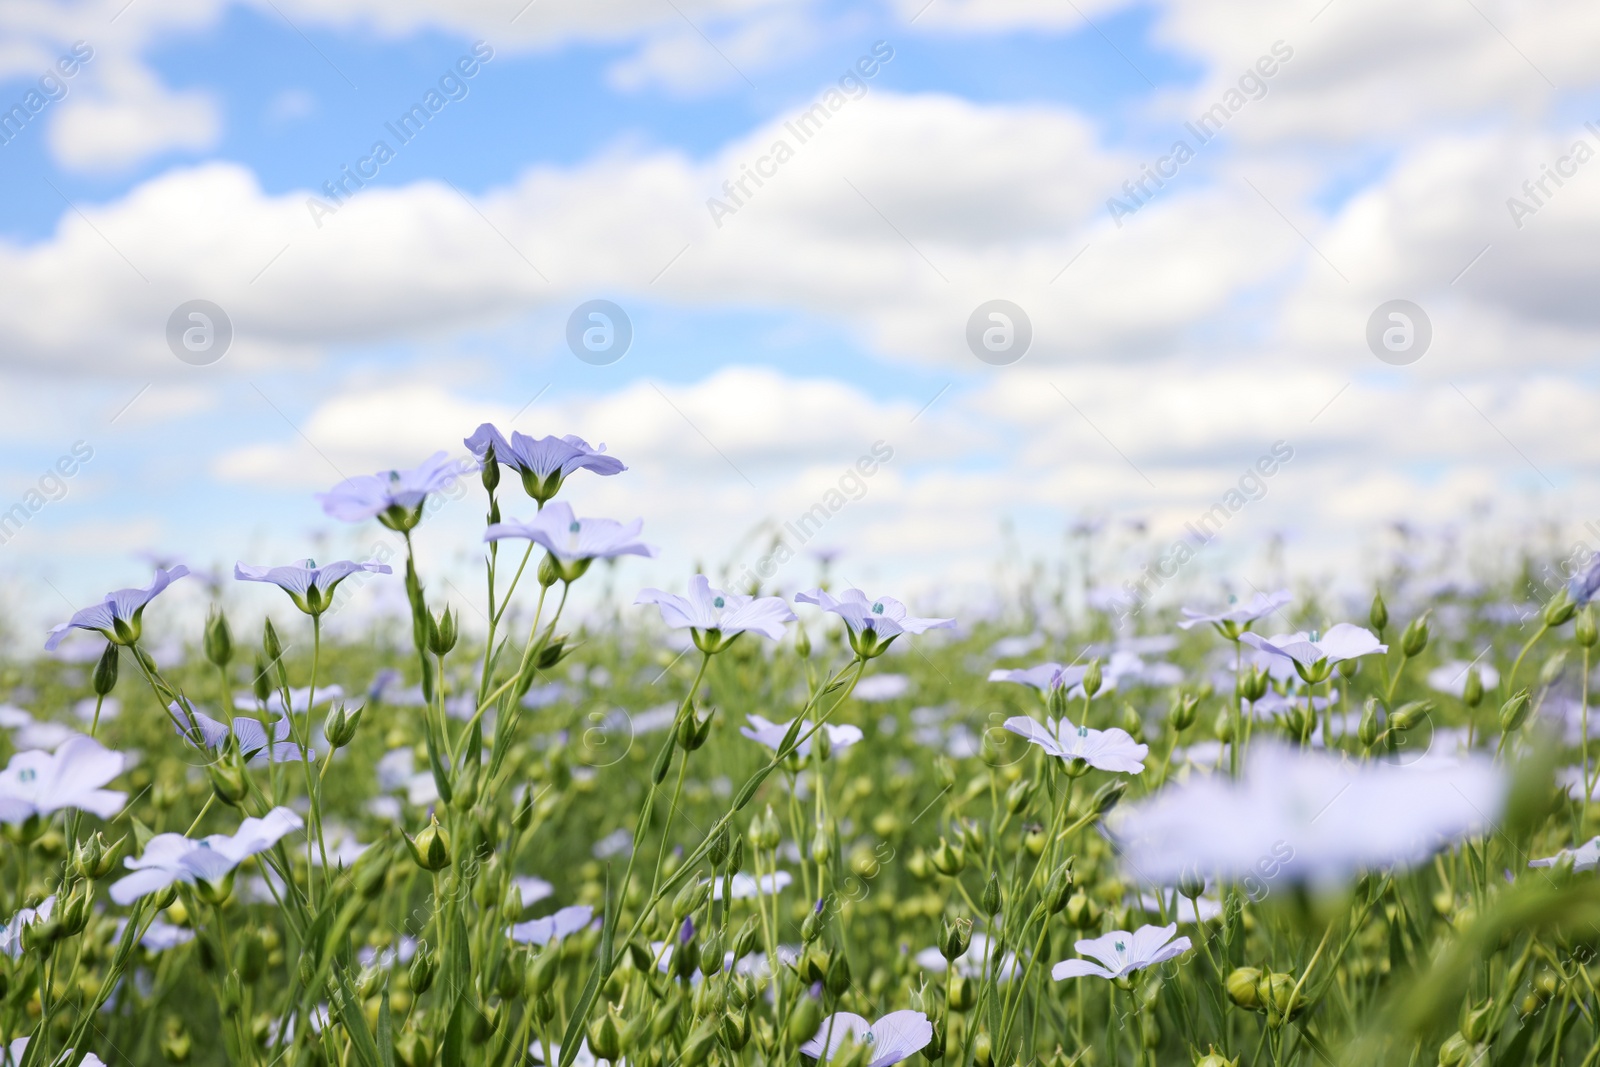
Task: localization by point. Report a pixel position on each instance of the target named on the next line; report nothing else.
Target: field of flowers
(729, 827)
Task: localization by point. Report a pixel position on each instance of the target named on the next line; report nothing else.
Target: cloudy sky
(399, 205)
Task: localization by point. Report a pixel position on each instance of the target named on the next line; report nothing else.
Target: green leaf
(573, 1036)
(749, 789)
(355, 1021)
(385, 1031)
(455, 1034)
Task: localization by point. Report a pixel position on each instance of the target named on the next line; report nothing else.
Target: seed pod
(1059, 888)
(424, 967)
(1243, 987)
(804, 1019)
(431, 847)
(957, 936)
(605, 1035)
(949, 860)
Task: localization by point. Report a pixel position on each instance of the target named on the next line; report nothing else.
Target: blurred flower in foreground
(1121, 953)
(1314, 657)
(746, 886)
(972, 963)
(1235, 618)
(895, 1037)
(1338, 817)
(172, 858)
(1584, 587)
(1045, 677)
(18, 1049)
(1584, 858)
(552, 927)
(39, 783)
(772, 734)
(543, 462)
(308, 585)
(571, 539)
(873, 624)
(118, 616)
(11, 933)
(202, 731)
(1113, 749)
(394, 498)
(716, 617)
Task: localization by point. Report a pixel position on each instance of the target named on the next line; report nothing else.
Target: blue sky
(1171, 346)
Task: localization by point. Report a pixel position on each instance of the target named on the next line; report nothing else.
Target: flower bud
(544, 969)
(94, 858)
(802, 642)
(1409, 714)
(1059, 888)
(1378, 616)
(105, 670)
(549, 571)
(736, 1030)
(424, 968)
(949, 860)
(811, 927)
(1475, 1021)
(1584, 630)
(991, 898)
(957, 936)
(1415, 637)
(963, 991)
(442, 634)
(218, 638)
(1091, 678)
(1191, 882)
(1018, 794)
(605, 1036)
(804, 1019)
(490, 470)
(1559, 609)
(227, 780)
(1106, 797)
(1222, 725)
(270, 645)
(1082, 912)
(1553, 667)
(1182, 715)
(1243, 987)
(747, 939)
(261, 681)
(718, 854)
(823, 845)
(553, 653)
(837, 979)
(698, 1046)
(1368, 731)
(983, 1049)
(690, 899)
(1472, 690)
(1514, 712)
(340, 728)
(764, 832)
(431, 847)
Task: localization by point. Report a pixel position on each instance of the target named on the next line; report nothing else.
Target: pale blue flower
(543, 462)
(172, 858)
(308, 585)
(873, 623)
(117, 617)
(394, 498)
(1111, 749)
(571, 539)
(563, 923)
(202, 731)
(41, 783)
(1314, 656)
(716, 616)
(1238, 616)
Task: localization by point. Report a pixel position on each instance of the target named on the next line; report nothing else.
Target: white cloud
(124, 116)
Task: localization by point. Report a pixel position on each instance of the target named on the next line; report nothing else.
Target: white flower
(1121, 953)
(973, 962)
(895, 1037)
(39, 783)
(729, 614)
(1315, 656)
(1584, 858)
(172, 858)
(746, 886)
(772, 734)
(1181, 908)
(881, 687)
(1238, 615)
(552, 927)
(18, 1048)
(1107, 750)
(11, 933)
(1309, 816)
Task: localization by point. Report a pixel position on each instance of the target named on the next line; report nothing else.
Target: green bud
(1184, 708)
(424, 968)
(1254, 684)
(605, 1036)
(1409, 714)
(1243, 986)
(340, 728)
(837, 979)
(1369, 730)
(1584, 631)
(105, 670)
(261, 681)
(690, 899)
(1213, 1058)
(1378, 616)
(736, 1030)
(823, 845)
(957, 936)
(218, 638)
(431, 847)
(549, 571)
(1415, 637)
(1514, 712)
(1559, 609)
(270, 645)
(1092, 678)
(746, 940)
(1059, 888)
(963, 992)
(1106, 797)
(1082, 912)
(1222, 725)
(983, 1049)
(490, 471)
(804, 1019)
(701, 1041)
(1553, 667)
(544, 969)
(991, 899)
(442, 634)
(553, 653)
(1472, 690)
(1475, 1021)
(811, 926)
(227, 780)
(949, 860)
(802, 642)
